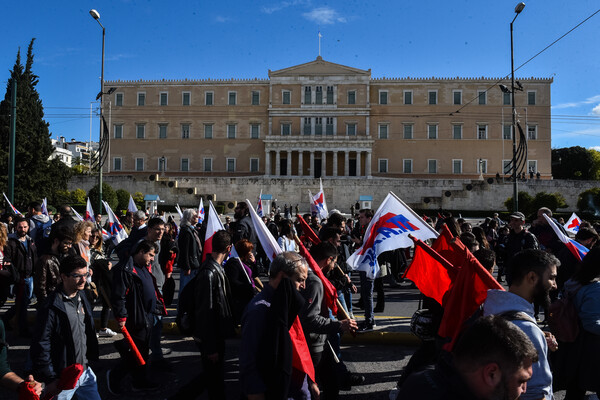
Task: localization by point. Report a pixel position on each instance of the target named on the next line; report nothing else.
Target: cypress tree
(36, 176)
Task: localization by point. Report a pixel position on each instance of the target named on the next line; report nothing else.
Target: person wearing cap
(518, 239)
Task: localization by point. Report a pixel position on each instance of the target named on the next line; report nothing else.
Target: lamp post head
(518, 8)
(95, 14)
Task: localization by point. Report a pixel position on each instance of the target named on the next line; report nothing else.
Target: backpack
(562, 317)
(41, 234)
(186, 310)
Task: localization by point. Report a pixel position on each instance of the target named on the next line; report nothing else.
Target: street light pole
(518, 10)
(96, 16)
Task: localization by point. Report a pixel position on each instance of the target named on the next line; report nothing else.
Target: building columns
(300, 161)
(277, 163)
(346, 163)
(268, 162)
(358, 152)
(311, 168)
(368, 165)
(323, 163)
(289, 163)
(335, 164)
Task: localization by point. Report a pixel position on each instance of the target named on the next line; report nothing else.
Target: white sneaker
(106, 333)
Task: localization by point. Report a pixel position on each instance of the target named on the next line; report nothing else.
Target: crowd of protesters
(63, 266)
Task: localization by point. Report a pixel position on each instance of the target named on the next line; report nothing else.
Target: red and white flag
(389, 229)
(213, 225)
(17, 212)
(265, 238)
(201, 212)
(577, 249)
(131, 206)
(45, 206)
(117, 233)
(572, 224)
(89, 211)
(318, 201)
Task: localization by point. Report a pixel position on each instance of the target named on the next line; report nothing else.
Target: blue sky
(244, 39)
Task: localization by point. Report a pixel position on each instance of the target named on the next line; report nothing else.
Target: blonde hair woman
(83, 231)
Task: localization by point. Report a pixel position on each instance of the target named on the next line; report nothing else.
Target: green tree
(525, 201)
(138, 199)
(123, 197)
(78, 197)
(36, 176)
(589, 202)
(108, 194)
(553, 201)
(575, 163)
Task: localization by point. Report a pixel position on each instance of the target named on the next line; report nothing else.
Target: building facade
(322, 119)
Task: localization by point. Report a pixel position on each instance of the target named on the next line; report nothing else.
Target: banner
(389, 229)
(572, 224)
(116, 230)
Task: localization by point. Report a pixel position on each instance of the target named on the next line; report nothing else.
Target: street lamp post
(163, 160)
(518, 10)
(96, 15)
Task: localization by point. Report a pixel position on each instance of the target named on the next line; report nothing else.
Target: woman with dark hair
(585, 287)
(286, 236)
(241, 273)
(102, 278)
(481, 237)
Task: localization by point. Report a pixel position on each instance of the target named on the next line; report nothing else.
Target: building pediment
(319, 67)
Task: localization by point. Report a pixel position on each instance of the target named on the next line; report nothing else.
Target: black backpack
(185, 309)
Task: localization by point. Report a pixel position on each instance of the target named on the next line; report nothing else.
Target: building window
(319, 95)
(457, 97)
(141, 99)
(307, 95)
(457, 166)
(408, 131)
(186, 98)
(432, 96)
(254, 165)
(164, 98)
(209, 98)
(208, 131)
(407, 166)
(162, 131)
(231, 165)
(185, 131)
(286, 129)
(383, 166)
(482, 132)
(118, 131)
(507, 132)
(351, 96)
(408, 97)
(432, 131)
(232, 98)
(506, 166)
(255, 98)
(432, 166)
(254, 131)
(117, 164)
(118, 99)
(207, 165)
(329, 126)
(506, 97)
(185, 164)
(383, 131)
(383, 97)
(531, 132)
(286, 97)
(307, 125)
(231, 131)
(351, 129)
(482, 95)
(532, 166)
(457, 132)
(482, 166)
(139, 164)
(329, 94)
(318, 126)
(531, 98)
(140, 131)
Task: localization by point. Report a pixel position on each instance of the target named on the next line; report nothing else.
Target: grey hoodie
(499, 301)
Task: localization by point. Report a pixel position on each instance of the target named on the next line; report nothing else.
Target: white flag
(389, 229)
(201, 212)
(45, 206)
(116, 230)
(319, 201)
(131, 206)
(572, 224)
(213, 225)
(79, 217)
(268, 242)
(179, 210)
(89, 211)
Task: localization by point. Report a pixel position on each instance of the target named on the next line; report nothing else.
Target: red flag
(328, 289)
(308, 232)
(468, 291)
(213, 225)
(301, 355)
(444, 245)
(432, 274)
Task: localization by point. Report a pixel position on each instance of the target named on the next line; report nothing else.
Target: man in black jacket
(243, 228)
(213, 321)
(135, 302)
(22, 253)
(65, 334)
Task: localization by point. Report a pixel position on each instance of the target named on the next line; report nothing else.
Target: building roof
(319, 67)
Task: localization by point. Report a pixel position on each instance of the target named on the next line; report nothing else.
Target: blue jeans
(86, 388)
(366, 294)
(345, 297)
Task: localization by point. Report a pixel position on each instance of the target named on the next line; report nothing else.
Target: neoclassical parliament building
(322, 119)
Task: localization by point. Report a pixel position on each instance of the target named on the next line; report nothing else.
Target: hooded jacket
(499, 301)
